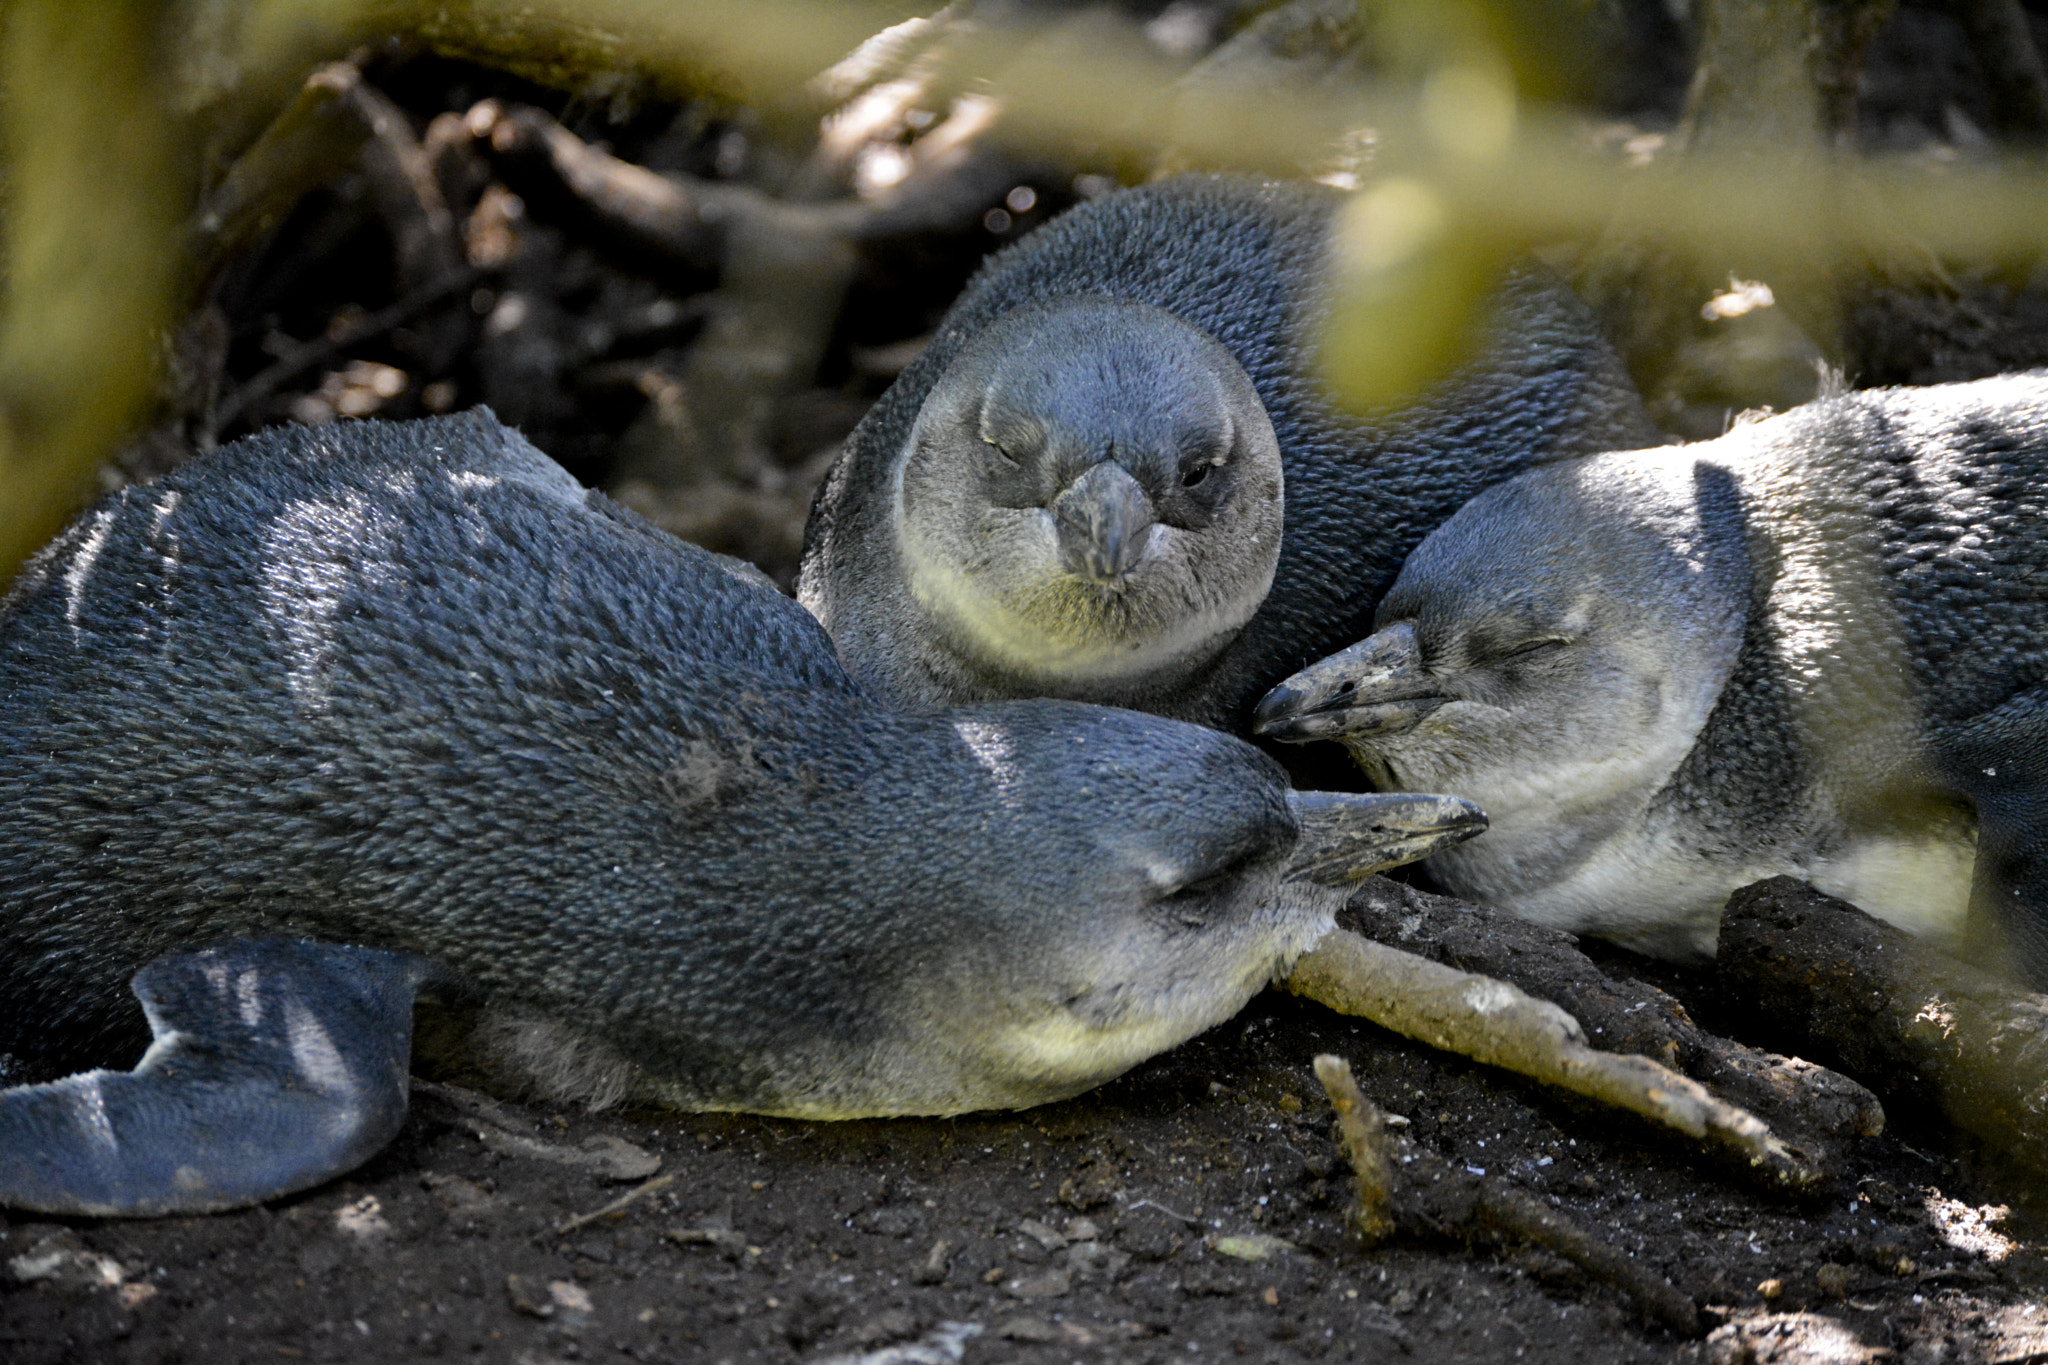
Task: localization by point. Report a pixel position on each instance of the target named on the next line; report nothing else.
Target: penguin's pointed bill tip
(1348, 836)
(1377, 687)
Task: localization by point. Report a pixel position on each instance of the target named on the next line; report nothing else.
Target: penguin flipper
(277, 1064)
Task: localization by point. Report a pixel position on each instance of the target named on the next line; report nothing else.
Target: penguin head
(1551, 653)
(1091, 494)
(1132, 881)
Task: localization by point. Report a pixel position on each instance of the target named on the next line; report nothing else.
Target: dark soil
(1130, 1224)
(1194, 1209)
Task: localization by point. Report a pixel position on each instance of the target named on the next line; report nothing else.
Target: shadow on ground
(1192, 1210)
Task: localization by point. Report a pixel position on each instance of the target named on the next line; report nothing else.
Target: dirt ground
(1193, 1209)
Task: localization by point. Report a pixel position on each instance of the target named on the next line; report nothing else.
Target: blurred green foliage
(97, 181)
(122, 123)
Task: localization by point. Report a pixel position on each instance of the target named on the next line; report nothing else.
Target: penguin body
(332, 713)
(1816, 646)
(1112, 476)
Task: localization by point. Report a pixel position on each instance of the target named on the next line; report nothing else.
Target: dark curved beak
(1102, 518)
(1348, 836)
(1376, 687)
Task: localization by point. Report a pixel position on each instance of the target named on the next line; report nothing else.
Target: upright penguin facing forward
(332, 713)
(1112, 476)
(1816, 646)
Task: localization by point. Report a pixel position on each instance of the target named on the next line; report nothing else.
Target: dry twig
(1497, 1024)
(619, 1205)
(1822, 1112)
(499, 1129)
(1407, 1190)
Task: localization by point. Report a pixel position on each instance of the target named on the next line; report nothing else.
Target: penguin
(1816, 646)
(337, 715)
(1112, 476)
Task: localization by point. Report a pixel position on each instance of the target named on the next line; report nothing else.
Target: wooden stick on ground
(1406, 1189)
(1924, 1026)
(1822, 1112)
(1499, 1025)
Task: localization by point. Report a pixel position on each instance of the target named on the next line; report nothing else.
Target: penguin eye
(1539, 645)
(1195, 474)
(1005, 456)
(1189, 894)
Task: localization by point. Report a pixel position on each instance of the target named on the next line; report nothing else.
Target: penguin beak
(1346, 837)
(1103, 519)
(1376, 687)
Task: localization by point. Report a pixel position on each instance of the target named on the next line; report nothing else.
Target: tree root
(784, 267)
(312, 140)
(1410, 1191)
(1497, 1024)
(1921, 1025)
(1821, 1112)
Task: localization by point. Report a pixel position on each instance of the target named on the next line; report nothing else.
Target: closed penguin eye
(1527, 648)
(1005, 456)
(1209, 884)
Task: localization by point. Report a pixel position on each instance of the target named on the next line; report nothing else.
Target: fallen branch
(1410, 1191)
(1499, 1025)
(670, 216)
(783, 267)
(1822, 1112)
(310, 142)
(1913, 1021)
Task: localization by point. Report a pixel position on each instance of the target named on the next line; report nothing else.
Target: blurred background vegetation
(683, 243)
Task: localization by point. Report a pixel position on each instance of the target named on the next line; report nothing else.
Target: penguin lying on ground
(1112, 477)
(332, 714)
(1815, 646)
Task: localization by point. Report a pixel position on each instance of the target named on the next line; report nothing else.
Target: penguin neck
(1818, 747)
(1167, 686)
(1820, 708)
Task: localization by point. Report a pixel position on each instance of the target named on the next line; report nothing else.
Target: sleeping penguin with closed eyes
(335, 715)
(1817, 646)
